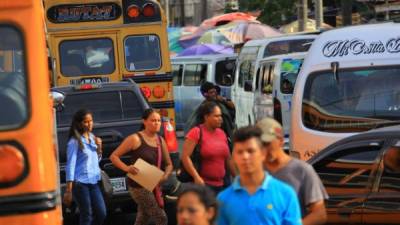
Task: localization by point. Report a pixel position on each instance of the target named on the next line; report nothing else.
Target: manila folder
(148, 176)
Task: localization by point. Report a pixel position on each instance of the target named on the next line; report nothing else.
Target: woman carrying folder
(150, 147)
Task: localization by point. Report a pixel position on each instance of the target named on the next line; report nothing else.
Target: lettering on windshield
(340, 48)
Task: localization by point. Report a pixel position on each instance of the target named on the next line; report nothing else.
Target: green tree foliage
(251, 5)
(278, 12)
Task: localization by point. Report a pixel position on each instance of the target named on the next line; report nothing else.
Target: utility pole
(347, 6)
(319, 13)
(302, 11)
(204, 11)
(182, 9)
(167, 11)
(387, 17)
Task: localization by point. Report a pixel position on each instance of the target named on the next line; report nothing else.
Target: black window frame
(307, 91)
(198, 72)
(178, 78)
(25, 73)
(87, 74)
(159, 52)
(324, 159)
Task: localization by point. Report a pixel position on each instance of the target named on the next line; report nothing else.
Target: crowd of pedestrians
(241, 177)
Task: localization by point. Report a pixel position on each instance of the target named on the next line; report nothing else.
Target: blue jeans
(92, 209)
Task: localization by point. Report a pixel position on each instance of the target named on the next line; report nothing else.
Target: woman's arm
(131, 142)
(188, 147)
(167, 161)
(72, 153)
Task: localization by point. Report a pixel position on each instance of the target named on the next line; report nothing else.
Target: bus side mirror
(58, 99)
(248, 85)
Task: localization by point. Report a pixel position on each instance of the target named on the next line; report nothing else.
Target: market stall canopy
(206, 49)
(293, 27)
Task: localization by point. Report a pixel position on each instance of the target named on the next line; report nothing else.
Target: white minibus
(189, 72)
(273, 89)
(248, 66)
(349, 83)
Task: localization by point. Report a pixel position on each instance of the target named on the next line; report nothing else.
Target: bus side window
(177, 72)
(267, 79)
(195, 74)
(258, 78)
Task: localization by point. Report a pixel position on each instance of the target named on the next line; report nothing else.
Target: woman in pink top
(214, 150)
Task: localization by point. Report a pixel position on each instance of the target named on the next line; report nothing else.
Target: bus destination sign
(73, 13)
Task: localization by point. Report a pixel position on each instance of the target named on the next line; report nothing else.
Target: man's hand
(99, 144)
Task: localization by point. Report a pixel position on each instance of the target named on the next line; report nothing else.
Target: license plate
(118, 184)
(90, 80)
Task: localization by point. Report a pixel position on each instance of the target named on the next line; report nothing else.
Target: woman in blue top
(82, 171)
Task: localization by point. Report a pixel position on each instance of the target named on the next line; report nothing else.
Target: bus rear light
(87, 86)
(12, 163)
(133, 11)
(158, 92)
(146, 91)
(149, 10)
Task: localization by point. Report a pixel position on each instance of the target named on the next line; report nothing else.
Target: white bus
(349, 83)
(248, 66)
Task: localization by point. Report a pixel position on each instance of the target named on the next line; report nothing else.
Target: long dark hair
(206, 108)
(76, 129)
(146, 114)
(205, 195)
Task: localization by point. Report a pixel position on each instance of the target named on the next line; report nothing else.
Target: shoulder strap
(159, 151)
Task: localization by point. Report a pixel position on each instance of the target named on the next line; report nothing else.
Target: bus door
(263, 94)
(29, 193)
(88, 59)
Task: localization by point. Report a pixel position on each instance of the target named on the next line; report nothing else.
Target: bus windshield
(287, 46)
(87, 57)
(353, 100)
(12, 79)
(142, 52)
(290, 68)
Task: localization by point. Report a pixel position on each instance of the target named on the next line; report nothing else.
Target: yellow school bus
(95, 41)
(28, 166)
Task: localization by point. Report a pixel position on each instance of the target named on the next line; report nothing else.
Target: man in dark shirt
(210, 93)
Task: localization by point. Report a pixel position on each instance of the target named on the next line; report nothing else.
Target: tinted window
(177, 71)
(390, 180)
(348, 168)
(87, 57)
(246, 71)
(224, 71)
(267, 79)
(246, 68)
(354, 101)
(290, 68)
(131, 106)
(13, 90)
(105, 106)
(142, 53)
(287, 46)
(195, 74)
